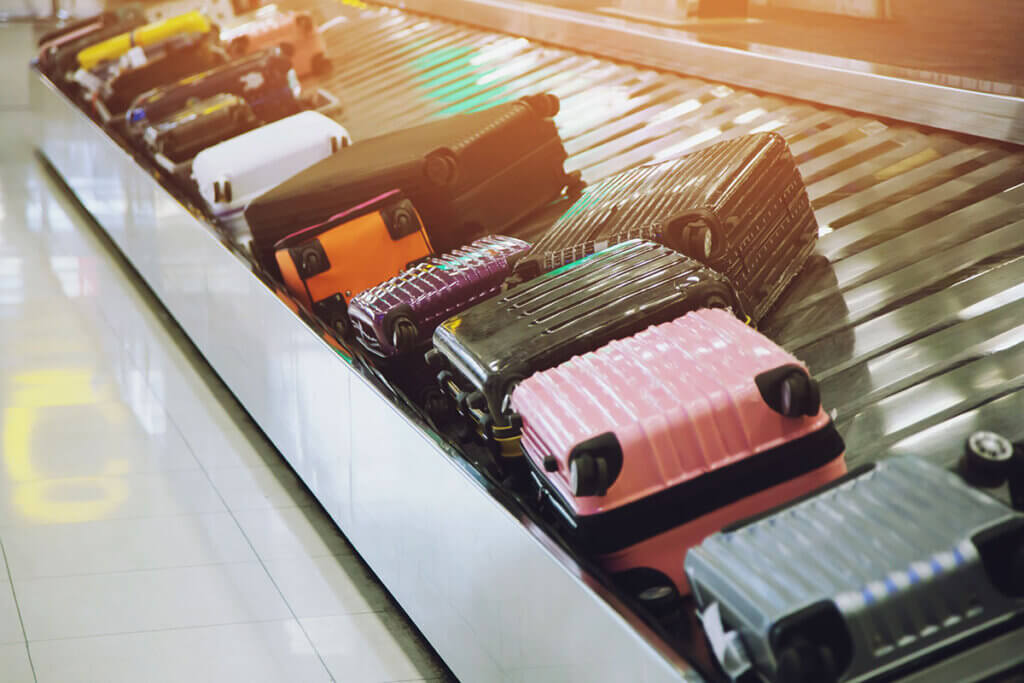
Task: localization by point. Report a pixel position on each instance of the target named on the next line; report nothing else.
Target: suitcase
(401, 314)
(204, 123)
(325, 265)
(114, 47)
(265, 80)
(866, 578)
(486, 350)
(467, 175)
(739, 206)
(59, 56)
(144, 68)
(231, 173)
(649, 444)
(294, 32)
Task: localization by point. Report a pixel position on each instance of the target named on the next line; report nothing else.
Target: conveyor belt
(911, 312)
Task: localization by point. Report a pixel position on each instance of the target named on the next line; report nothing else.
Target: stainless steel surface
(910, 312)
(492, 594)
(900, 93)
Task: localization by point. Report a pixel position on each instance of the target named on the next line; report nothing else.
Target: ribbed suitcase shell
(202, 124)
(61, 57)
(688, 417)
(265, 80)
(166, 61)
(325, 265)
(899, 560)
(541, 323)
(294, 29)
(431, 291)
(747, 191)
(260, 159)
(114, 47)
(468, 175)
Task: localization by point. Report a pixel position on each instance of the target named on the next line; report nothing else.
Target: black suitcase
(739, 206)
(62, 58)
(486, 350)
(467, 175)
(202, 124)
(165, 62)
(264, 79)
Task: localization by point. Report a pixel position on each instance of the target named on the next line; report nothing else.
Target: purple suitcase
(400, 314)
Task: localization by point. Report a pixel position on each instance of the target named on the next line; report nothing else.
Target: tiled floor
(149, 532)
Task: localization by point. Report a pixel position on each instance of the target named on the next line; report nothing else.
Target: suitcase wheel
(435, 360)
(987, 458)
(803, 662)
(404, 334)
(546, 105)
(698, 242)
(789, 391)
(655, 591)
(476, 401)
(435, 404)
(594, 465)
(441, 167)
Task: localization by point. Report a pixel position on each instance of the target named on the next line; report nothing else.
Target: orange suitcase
(327, 264)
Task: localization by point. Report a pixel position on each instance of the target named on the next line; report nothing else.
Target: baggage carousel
(911, 311)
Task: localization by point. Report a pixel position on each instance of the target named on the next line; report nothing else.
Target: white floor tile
(259, 487)
(375, 647)
(101, 604)
(124, 545)
(270, 652)
(10, 625)
(291, 532)
(326, 586)
(94, 498)
(14, 664)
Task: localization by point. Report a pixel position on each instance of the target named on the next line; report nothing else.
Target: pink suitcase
(651, 443)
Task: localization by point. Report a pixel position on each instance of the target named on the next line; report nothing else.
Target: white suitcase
(235, 171)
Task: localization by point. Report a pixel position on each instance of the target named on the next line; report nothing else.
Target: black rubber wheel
(435, 360)
(699, 242)
(716, 301)
(583, 475)
(435, 405)
(442, 168)
(798, 395)
(660, 601)
(476, 401)
(988, 457)
(404, 334)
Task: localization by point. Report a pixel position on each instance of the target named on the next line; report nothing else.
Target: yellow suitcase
(190, 22)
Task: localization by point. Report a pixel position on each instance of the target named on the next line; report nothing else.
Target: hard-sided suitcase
(59, 56)
(467, 175)
(401, 314)
(204, 123)
(231, 173)
(649, 444)
(294, 32)
(265, 80)
(871, 576)
(487, 349)
(739, 206)
(325, 265)
(144, 68)
(114, 47)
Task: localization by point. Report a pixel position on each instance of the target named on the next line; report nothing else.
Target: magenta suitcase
(401, 314)
(653, 442)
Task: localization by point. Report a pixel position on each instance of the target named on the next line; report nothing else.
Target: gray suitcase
(867, 578)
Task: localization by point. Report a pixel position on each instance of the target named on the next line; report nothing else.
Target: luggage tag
(727, 646)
